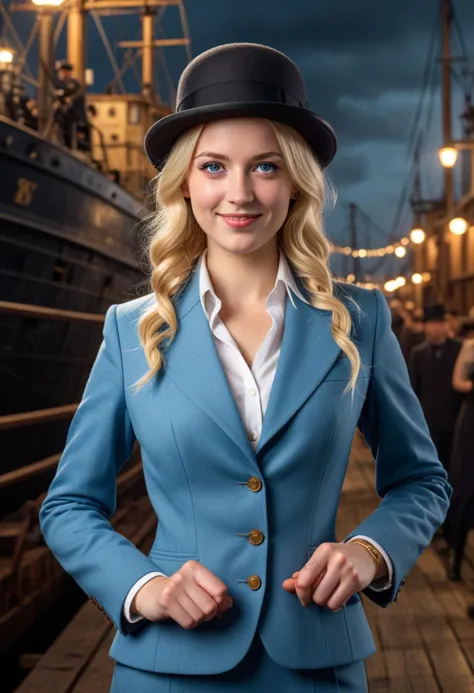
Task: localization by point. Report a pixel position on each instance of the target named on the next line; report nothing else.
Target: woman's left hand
(332, 575)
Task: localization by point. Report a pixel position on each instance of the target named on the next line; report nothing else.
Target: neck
(243, 281)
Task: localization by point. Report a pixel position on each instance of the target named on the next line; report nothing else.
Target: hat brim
(317, 132)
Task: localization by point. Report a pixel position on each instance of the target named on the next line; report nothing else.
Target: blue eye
(211, 163)
(268, 163)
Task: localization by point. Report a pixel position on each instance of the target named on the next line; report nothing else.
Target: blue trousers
(256, 673)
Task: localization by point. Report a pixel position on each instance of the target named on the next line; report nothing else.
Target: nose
(240, 189)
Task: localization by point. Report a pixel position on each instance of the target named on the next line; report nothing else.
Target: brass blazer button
(254, 484)
(256, 537)
(254, 582)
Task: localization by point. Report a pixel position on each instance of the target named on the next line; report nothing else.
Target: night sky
(363, 63)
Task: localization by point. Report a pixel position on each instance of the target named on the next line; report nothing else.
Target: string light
(398, 248)
(417, 236)
(389, 286)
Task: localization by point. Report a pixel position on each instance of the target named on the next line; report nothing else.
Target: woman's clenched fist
(190, 596)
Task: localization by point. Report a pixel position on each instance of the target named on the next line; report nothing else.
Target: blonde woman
(244, 374)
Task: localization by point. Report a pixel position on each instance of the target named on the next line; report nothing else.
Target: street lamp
(7, 76)
(6, 56)
(448, 156)
(45, 60)
(458, 226)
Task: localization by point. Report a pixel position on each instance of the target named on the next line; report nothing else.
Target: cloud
(349, 169)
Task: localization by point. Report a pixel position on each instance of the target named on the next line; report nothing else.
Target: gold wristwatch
(375, 553)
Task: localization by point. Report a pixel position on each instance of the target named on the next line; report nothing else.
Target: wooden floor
(425, 641)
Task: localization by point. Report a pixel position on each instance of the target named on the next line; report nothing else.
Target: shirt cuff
(376, 585)
(128, 601)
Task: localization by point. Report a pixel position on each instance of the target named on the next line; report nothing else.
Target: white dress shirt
(250, 386)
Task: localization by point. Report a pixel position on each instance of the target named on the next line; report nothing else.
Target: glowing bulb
(426, 276)
(448, 156)
(458, 226)
(417, 278)
(6, 55)
(362, 253)
(417, 235)
(400, 251)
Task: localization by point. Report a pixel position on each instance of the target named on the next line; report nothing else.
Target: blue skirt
(256, 673)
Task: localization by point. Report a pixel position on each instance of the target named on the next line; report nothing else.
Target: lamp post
(45, 60)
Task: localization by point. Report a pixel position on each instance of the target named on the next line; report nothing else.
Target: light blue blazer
(197, 464)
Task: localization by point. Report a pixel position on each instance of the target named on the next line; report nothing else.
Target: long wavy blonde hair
(174, 241)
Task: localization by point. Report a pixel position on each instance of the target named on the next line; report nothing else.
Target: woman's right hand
(190, 596)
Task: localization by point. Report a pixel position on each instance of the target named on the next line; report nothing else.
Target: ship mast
(117, 120)
(76, 38)
(145, 47)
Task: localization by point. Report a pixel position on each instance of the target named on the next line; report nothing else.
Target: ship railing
(15, 531)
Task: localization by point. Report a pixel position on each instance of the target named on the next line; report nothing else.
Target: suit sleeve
(409, 477)
(75, 515)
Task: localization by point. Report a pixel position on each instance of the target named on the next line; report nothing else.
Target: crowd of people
(438, 346)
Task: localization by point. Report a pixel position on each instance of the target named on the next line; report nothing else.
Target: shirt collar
(284, 279)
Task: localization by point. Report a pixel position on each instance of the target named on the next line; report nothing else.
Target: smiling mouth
(240, 216)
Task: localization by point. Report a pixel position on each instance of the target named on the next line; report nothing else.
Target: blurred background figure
(398, 316)
(431, 369)
(460, 518)
(70, 108)
(454, 323)
(412, 333)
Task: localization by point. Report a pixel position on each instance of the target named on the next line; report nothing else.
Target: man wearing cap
(431, 368)
(70, 103)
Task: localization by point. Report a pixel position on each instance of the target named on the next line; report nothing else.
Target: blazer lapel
(308, 351)
(194, 365)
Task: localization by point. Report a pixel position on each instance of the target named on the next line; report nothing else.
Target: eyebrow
(263, 155)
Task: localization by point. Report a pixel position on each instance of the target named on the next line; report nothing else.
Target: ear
(184, 188)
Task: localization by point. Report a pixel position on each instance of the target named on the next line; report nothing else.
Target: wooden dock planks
(425, 641)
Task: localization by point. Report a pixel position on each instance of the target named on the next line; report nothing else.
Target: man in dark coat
(431, 368)
(413, 333)
(69, 102)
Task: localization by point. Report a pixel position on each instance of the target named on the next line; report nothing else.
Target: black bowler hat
(241, 80)
(434, 313)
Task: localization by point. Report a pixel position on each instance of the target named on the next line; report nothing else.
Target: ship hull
(69, 240)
